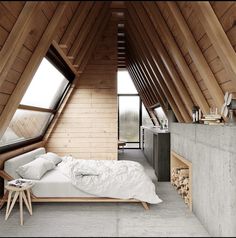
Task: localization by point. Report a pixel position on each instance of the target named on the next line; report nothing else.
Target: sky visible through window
(125, 83)
(48, 83)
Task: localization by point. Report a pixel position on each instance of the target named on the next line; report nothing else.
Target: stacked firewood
(180, 180)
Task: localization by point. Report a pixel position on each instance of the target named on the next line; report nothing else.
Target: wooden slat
(197, 56)
(76, 22)
(65, 58)
(92, 46)
(140, 33)
(104, 14)
(176, 54)
(16, 38)
(150, 29)
(159, 97)
(89, 21)
(31, 68)
(218, 38)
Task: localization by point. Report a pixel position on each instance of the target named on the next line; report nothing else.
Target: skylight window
(46, 87)
(39, 104)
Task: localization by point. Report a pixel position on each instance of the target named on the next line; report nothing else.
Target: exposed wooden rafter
(86, 27)
(16, 38)
(218, 38)
(76, 22)
(141, 34)
(197, 56)
(169, 66)
(176, 54)
(31, 67)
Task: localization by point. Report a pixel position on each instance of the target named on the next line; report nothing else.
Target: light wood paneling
(87, 128)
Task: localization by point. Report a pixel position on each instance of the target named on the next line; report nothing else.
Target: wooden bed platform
(7, 177)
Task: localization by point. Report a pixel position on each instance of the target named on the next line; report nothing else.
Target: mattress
(55, 184)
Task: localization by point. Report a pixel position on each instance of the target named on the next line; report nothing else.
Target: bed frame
(7, 177)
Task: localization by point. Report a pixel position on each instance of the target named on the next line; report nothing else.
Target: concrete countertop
(155, 130)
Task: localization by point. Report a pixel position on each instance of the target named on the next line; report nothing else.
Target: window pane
(46, 88)
(129, 118)
(161, 115)
(25, 125)
(146, 120)
(125, 83)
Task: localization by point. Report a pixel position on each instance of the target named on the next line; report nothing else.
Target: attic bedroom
(117, 118)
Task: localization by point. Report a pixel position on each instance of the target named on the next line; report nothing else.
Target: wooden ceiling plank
(143, 18)
(94, 38)
(85, 29)
(16, 38)
(218, 37)
(141, 34)
(91, 35)
(31, 68)
(76, 22)
(197, 56)
(176, 54)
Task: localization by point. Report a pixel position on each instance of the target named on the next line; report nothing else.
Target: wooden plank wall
(87, 128)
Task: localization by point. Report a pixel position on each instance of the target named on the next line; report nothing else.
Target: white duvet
(110, 178)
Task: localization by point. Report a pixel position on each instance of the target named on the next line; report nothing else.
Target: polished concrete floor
(171, 218)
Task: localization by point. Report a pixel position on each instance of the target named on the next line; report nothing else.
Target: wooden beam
(160, 81)
(196, 54)
(63, 55)
(176, 54)
(140, 82)
(218, 37)
(133, 76)
(16, 38)
(150, 74)
(144, 19)
(149, 78)
(137, 87)
(86, 27)
(148, 60)
(76, 22)
(88, 50)
(102, 17)
(31, 68)
(177, 105)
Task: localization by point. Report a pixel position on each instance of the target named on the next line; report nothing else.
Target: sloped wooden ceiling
(179, 54)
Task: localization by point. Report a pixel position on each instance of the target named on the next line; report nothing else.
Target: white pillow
(51, 157)
(35, 169)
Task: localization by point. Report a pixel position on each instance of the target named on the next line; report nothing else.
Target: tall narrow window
(132, 114)
(39, 104)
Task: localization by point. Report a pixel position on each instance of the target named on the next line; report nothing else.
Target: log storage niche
(181, 177)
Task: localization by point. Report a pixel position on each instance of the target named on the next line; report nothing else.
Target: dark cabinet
(156, 148)
(161, 156)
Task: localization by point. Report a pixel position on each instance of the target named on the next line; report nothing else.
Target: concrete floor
(168, 219)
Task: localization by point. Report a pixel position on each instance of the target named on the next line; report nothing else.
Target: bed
(55, 185)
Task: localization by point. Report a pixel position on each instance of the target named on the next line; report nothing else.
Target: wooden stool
(121, 143)
(19, 192)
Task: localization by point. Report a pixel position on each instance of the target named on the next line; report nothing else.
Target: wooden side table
(19, 192)
(122, 144)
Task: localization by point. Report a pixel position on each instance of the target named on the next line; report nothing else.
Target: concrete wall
(212, 151)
